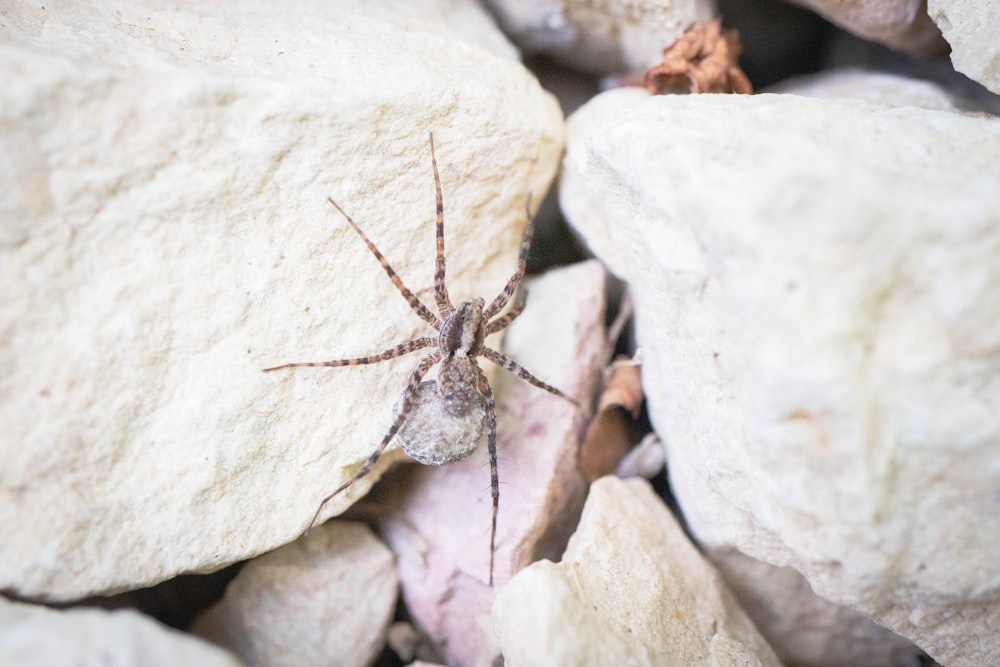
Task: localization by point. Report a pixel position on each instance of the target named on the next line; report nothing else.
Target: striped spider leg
(462, 392)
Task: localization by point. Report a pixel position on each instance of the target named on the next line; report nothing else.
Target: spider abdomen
(446, 421)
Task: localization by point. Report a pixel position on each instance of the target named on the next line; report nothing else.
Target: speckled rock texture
(971, 29)
(817, 288)
(631, 589)
(166, 236)
(325, 599)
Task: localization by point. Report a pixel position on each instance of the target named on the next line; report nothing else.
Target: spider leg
(505, 362)
(416, 304)
(440, 289)
(404, 411)
(502, 323)
(491, 442)
(391, 353)
(522, 258)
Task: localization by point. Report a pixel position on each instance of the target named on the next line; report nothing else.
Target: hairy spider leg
(508, 364)
(501, 323)
(491, 444)
(418, 307)
(522, 259)
(393, 352)
(441, 297)
(404, 411)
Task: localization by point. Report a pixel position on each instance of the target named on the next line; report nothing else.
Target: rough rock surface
(325, 599)
(600, 37)
(817, 289)
(971, 29)
(437, 519)
(899, 24)
(167, 236)
(32, 635)
(631, 590)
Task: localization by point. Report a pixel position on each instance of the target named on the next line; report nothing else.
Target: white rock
(601, 37)
(32, 635)
(325, 599)
(167, 236)
(971, 28)
(817, 290)
(631, 590)
(875, 87)
(900, 24)
(438, 518)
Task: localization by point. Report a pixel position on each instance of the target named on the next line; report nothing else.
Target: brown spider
(462, 394)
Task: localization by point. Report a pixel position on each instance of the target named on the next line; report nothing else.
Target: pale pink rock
(900, 24)
(437, 520)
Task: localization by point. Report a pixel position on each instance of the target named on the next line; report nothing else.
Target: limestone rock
(167, 236)
(899, 24)
(631, 589)
(325, 599)
(817, 289)
(971, 29)
(603, 37)
(32, 635)
(875, 87)
(437, 519)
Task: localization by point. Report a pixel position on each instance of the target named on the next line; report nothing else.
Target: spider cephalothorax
(441, 421)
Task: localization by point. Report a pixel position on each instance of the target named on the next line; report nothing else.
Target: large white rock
(32, 635)
(971, 29)
(325, 599)
(817, 289)
(166, 236)
(631, 590)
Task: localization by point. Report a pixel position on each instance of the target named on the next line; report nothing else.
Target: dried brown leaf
(704, 57)
(609, 436)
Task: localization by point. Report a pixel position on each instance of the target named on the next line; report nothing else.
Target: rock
(409, 645)
(604, 37)
(33, 635)
(325, 599)
(971, 30)
(899, 24)
(631, 589)
(170, 237)
(437, 519)
(875, 87)
(817, 291)
(804, 629)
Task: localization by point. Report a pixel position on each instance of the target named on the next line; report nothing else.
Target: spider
(451, 412)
